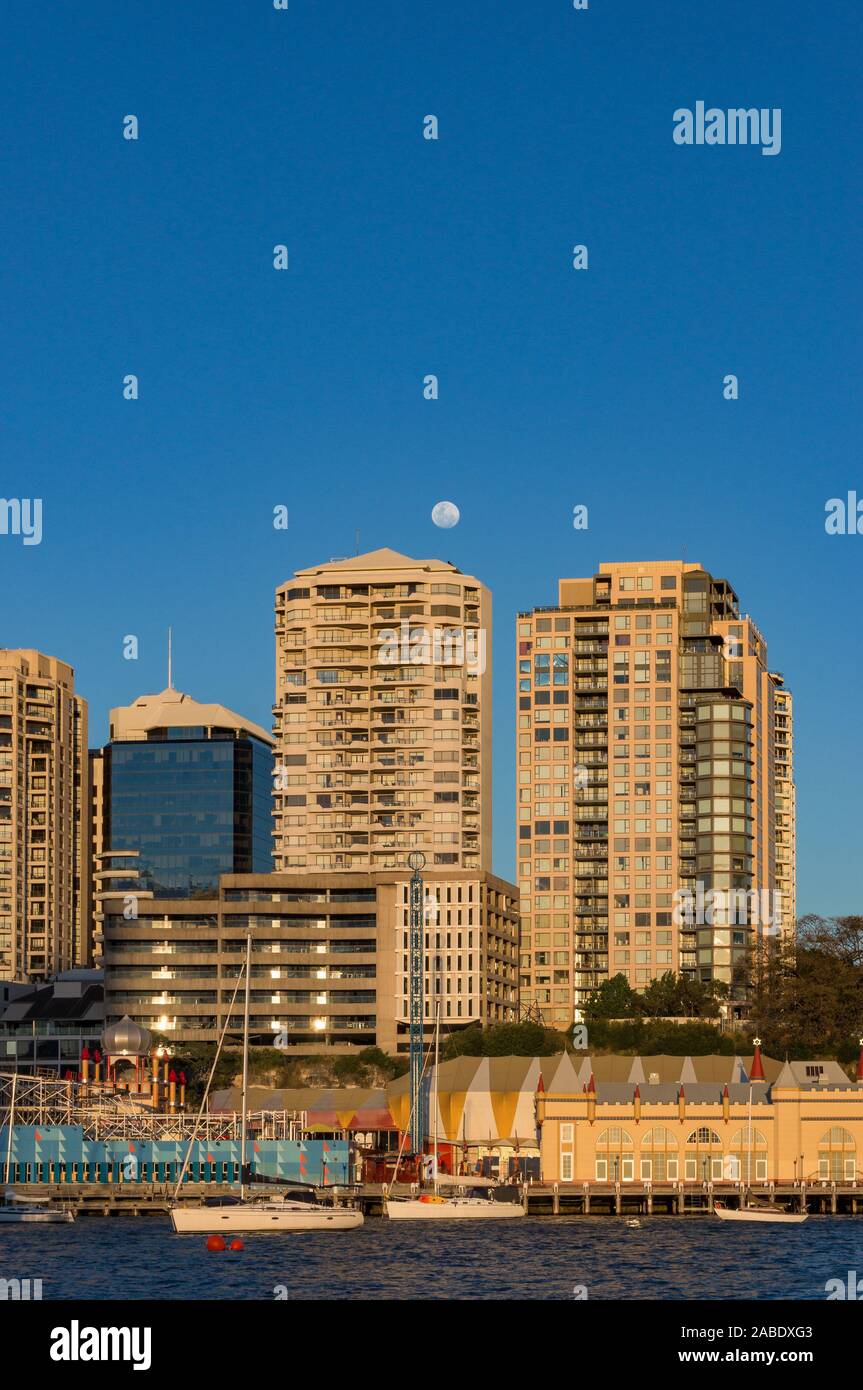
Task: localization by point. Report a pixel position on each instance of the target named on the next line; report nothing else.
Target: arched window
(703, 1161)
(837, 1155)
(615, 1160)
(746, 1160)
(659, 1161)
(704, 1136)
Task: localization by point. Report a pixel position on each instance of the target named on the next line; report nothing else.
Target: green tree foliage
(504, 1040)
(614, 998)
(807, 996)
(668, 996)
(648, 1037)
(681, 996)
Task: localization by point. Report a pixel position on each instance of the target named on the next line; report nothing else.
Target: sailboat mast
(10, 1121)
(244, 1108)
(436, 1085)
(749, 1154)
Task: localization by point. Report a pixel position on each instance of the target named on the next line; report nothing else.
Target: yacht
(16, 1210)
(467, 1199)
(463, 1198)
(756, 1212)
(248, 1212)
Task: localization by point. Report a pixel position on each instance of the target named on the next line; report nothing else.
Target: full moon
(445, 514)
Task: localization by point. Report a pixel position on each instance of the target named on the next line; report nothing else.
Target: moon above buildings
(445, 514)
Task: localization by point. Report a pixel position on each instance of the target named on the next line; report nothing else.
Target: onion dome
(126, 1039)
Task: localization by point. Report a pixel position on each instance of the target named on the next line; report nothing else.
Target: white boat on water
(464, 1198)
(470, 1200)
(16, 1211)
(776, 1215)
(230, 1216)
(755, 1210)
(249, 1213)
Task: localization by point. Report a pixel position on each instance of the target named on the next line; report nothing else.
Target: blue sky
(452, 257)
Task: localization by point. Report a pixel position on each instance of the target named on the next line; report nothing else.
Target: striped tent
(481, 1100)
(326, 1108)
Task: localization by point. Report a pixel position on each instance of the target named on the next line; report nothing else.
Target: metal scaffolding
(103, 1113)
(416, 1001)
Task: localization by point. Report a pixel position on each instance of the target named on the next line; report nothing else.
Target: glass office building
(186, 788)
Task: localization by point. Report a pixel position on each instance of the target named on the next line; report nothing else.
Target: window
(837, 1155)
(747, 1158)
(614, 1151)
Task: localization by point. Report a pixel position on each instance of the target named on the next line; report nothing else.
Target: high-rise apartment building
(647, 783)
(44, 866)
(181, 794)
(786, 802)
(382, 717)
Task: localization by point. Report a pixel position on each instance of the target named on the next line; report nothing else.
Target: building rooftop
(172, 709)
(374, 560)
(67, 1001)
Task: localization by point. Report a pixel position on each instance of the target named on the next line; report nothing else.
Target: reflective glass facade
(194, 807)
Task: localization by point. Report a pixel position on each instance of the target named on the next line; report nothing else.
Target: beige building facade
(382, 717)
(671, 1120)
(44, 863)
(329, 959)
(646, 783)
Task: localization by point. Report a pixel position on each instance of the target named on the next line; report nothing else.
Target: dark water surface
(537, 1258)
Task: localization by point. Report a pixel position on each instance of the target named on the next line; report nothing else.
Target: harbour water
(537, 1258)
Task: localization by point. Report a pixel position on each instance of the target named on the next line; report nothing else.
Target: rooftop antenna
(357, 535)
(170, 672)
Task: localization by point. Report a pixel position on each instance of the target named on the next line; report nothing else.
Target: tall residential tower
(44, 885)
(382, 716)
(647, 782)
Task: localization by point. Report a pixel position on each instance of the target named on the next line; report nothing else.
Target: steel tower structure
(416, 948)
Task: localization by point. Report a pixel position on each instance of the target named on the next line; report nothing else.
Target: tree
(613, 999)
(807, 995)
(682, 996)
(504, 1040)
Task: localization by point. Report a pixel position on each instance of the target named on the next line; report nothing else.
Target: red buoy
(237, 1244)
(216, 1243)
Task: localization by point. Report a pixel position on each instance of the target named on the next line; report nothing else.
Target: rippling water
(537, 1258)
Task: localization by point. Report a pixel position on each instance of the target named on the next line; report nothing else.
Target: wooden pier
(538, 1199)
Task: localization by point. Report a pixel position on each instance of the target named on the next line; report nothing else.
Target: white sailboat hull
(250, 1218)
(783, 1218)
(452, 1209)
(17, 1216)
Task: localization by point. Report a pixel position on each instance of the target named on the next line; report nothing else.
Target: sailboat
(16, 1210)
(463, 1198)
(249, 1213)
(755, 1210)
